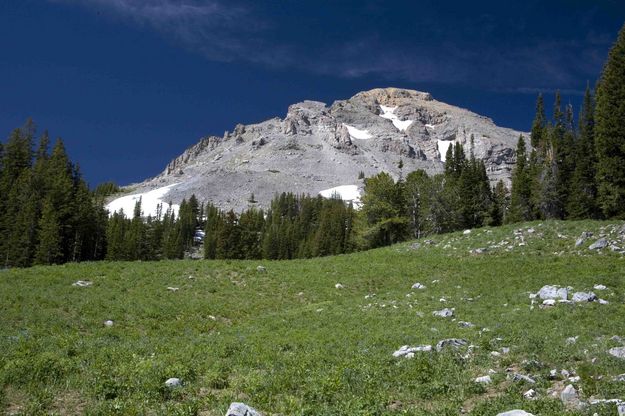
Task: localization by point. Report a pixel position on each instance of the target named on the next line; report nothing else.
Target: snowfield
(358, 134)
(389, 113)
(443, 145)
(348, 193)
(149, 203)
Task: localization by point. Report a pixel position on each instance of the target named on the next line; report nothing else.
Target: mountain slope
(316, 147)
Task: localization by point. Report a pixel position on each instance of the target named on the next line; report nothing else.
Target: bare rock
(241, 409)
(599, 244)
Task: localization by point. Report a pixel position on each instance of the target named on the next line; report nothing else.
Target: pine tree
(520, 195)
(582, 201)
(610, 132)
(538, 125)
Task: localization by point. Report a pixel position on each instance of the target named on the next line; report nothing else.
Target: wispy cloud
(225, 31)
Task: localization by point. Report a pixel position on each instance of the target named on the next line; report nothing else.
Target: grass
(287, 342)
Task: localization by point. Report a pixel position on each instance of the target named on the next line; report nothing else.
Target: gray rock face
(515, 412)
(317, 147)
(553, 292)
(599, 244)
(241, 409)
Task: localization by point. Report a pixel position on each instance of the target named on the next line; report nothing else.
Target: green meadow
(287, 341)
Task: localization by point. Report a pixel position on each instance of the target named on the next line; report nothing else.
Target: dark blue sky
(129, 84)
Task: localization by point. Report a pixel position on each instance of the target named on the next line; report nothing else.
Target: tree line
(569, 169)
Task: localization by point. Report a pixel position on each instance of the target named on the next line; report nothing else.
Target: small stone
(530, 394)
(603, 302)
(495, 354)
(549, 302)
(599, 244)
(484, 380)
(515, 412)
(599, 287)
(82, 283)
(405, 350)
(261, 269)
(618, 352)
(571, 340)
(464, 324)
(553, 373)
(553, 292)
(620, 377)
(108, 323)
(173, 383)
(173, 289)
(418, 286)
(339, 286)
(444, 313)
(521, 377)
(450, 342)
(620, 408)
(241, 409)
(466, 232)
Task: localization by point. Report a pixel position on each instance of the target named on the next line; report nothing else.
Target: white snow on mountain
(443, 145)
(389, 113)
(349, 193)
(358, 134)
(149, 203)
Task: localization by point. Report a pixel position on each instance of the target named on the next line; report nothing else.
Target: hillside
(317, 148)
(317, 337)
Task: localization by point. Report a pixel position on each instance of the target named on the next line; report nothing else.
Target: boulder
(241, 409)
(530, 394)
(599, 244)
(406, 351)
(418, 286)
(484, 380)
(515, 412)
(584, 297)
(553, 292)
(569, 397)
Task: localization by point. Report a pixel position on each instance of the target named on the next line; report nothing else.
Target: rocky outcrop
(316, 147)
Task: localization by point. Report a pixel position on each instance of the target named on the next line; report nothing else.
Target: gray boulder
(599, 244)
(569, 397)
(584, 297)
(173, 382)
(241, 409)
(553, 292)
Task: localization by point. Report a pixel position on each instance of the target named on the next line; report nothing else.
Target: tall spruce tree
(610, 132)
(49, 249)
(520, 195)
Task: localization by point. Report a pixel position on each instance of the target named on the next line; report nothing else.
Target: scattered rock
(620, 408)
(444, 313)
(339, 286)
(515, 412)
(484, 380)
(261, 269)
(466, 232)
(620, 377)
(582, 238)
(173, 382)
(553, 292)
(450, 342)
(618, 352)
(464, 324)
(584, 297)
(599, 287)
(241, 409)
(548, 302)
(108, 323)
(569, 397)
(599, 244)
(530, 394)
(405, 350)
(571, 340)
(82, 283)
(415, 246)
(173, 289)
(480, 250)
(418, 286)
(522, 377)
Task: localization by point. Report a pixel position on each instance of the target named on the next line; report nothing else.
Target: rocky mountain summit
(318, 147)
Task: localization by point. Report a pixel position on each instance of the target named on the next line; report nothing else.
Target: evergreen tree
(610, 132)
(538, 125)
(520, 195)
(49, 248)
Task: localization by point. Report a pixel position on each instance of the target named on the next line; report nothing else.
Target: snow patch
(357, 133)
(149, 203)
(389, 113)
(348, 193)
(443, 145)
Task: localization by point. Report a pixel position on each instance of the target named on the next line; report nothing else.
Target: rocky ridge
(317, 147)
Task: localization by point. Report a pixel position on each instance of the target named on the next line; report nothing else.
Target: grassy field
(288, 342)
